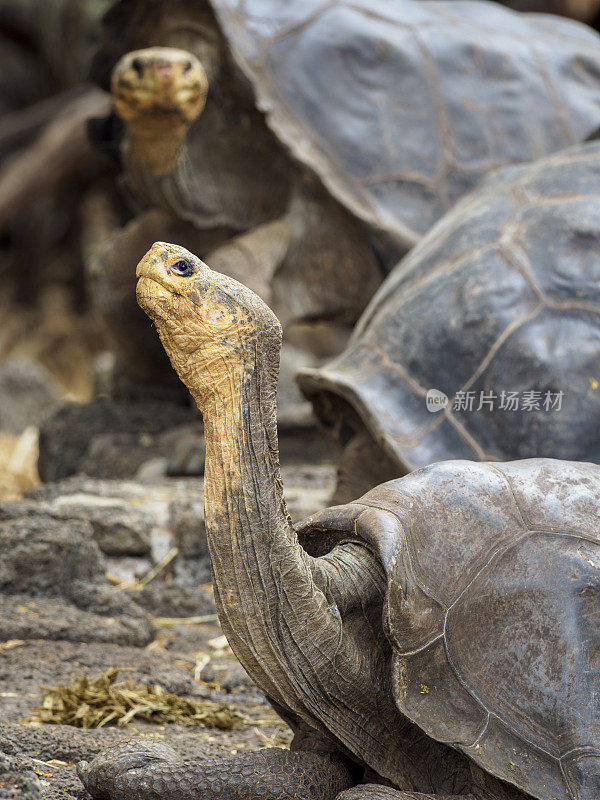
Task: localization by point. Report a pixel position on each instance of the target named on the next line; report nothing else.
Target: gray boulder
(28, 395)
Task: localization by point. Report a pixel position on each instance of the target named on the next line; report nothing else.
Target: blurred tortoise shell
(502, 296)
(400, 108)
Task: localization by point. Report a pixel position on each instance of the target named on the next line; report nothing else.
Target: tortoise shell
(491, 609)
(499, 302)
(400, 108)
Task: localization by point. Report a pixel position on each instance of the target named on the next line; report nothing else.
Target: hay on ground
(103, 701)
(18, 463)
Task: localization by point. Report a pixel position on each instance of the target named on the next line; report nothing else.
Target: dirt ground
(53, 630)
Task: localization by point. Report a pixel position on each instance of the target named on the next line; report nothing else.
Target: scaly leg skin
(135, 770)
(371, 791)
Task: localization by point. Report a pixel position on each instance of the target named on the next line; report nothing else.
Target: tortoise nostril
(138, 65)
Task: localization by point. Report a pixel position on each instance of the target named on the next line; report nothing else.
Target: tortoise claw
(102, 776)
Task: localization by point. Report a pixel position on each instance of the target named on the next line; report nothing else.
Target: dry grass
(103, 701)
(18, 463)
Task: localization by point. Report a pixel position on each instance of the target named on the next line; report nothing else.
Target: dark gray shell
(401, 107)
(493, 583)
(502, 295)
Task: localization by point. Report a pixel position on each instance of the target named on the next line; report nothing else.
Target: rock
(52, 619)
(117, 528)
(28, 395)
(188, 454)
(163, 512)
(186, 522)
(174, 599)
(153, 470)
(84, 485)
(8, 764)
(18, 781)
(52, 585)
(43, 556)
(192, 571)
(104, 600)
(117, 455)
(186, 451)
(108, 439)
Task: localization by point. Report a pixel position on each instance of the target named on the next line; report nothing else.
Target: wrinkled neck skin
(261, 573)
(154, 144)
(313, 653)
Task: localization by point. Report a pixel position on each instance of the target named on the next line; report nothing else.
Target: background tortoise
(457, 605)
(321, 114)
(501, 296)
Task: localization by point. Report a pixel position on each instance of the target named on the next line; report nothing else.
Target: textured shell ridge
(290, 37)
(453, 644)
(457, 573)
(487, 302)
(563, 721)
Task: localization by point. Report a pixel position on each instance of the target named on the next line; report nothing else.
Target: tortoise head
(216, 331)
(159, 82)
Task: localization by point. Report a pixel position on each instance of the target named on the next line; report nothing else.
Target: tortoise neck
(261, 573)
(155, 144)
(242, 458)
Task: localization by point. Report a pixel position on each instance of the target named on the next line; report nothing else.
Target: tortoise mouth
(145, 280)
(159, 82)
(143, 100)
(151, 279)
(155, 299)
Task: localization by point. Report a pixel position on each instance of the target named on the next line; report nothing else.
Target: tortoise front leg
(362, 466)
(371, 791)
(137, 770)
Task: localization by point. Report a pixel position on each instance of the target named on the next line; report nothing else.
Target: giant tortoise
(285, 123)
(438, 635)
(484, 342)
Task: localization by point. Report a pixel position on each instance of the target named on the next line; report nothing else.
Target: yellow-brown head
(158, 92)
(216, 331)
(159, 82)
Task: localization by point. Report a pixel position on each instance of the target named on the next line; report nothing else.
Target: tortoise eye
(182, 268)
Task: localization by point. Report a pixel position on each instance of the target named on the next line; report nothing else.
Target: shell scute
(554, 495)
(454, 515)
(427, 689)
(461, 77)
(509, 675)
(525, 643)
(533, 771)
(518, 315)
